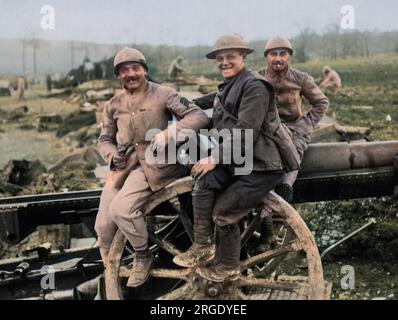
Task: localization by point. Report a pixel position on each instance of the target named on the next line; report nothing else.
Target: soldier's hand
(119, 162)
(202, 167)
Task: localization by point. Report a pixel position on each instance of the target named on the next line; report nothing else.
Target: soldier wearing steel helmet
(141, 105)
(244, 101)
(291, 85)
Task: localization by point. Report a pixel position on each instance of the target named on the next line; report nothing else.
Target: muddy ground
(369, 98)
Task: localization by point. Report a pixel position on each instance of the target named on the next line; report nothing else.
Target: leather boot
(228, 253)
(203, 248)
(196, 254)
(216, 258)
(142, 264)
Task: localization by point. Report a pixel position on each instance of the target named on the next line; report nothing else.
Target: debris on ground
(103, 95)
(85, 136)
(76, 121)
(48, 122)
(75, 172)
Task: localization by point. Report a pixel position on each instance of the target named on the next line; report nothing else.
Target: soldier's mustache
(278, 62)
(132, 78)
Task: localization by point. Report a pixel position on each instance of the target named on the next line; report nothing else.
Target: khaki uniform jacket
(128, 117)
(290, 87)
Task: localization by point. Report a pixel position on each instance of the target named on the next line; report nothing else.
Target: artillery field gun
(330, 171)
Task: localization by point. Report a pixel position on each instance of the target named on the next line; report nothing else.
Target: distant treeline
(336, 44)
(54, 56)
(308, 45)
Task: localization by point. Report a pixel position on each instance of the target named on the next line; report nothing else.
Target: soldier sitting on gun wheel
(127, 117)
(245, 102)
(290, 86)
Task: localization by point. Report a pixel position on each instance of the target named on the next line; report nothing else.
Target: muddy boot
(142, 264)
(216, 258)
(228, 253)
(196, 254)
(202, 249)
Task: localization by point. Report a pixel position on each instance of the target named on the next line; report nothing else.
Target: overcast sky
(189, 22)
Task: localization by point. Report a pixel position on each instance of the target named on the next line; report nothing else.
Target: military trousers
(301, 142)
(235, 196)
(120, 209)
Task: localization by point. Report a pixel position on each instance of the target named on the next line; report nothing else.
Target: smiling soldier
(127, 117)
(244, 102)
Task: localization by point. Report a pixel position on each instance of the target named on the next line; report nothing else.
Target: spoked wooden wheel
(254, 281)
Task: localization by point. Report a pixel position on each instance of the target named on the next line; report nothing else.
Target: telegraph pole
(34, 46)
(72, 54)
(23, 58)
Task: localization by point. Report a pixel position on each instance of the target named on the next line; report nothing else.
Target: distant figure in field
(18, 86)
(175, 69)
(331, 81)
(103, 70)
(88, 69)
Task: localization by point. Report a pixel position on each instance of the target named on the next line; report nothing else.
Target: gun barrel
(340, 156)
(330, 171)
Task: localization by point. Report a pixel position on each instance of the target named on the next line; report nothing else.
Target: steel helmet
(229, 42)
(128, 55)
(278, 43)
